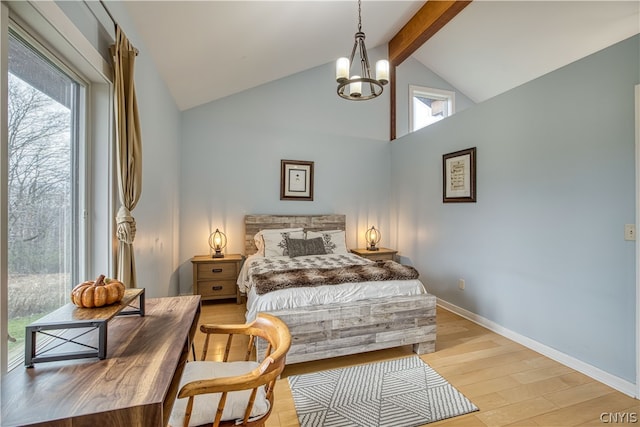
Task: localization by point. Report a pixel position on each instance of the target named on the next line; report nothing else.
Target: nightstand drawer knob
(216, 288)
(216, 270)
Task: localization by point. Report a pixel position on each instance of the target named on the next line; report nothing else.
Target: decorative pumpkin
(102, 291)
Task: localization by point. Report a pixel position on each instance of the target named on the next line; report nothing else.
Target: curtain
(128, 153)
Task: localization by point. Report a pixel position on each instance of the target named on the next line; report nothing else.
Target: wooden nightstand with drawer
(215, 278)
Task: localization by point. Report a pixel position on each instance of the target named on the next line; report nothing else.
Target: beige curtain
(129, 154)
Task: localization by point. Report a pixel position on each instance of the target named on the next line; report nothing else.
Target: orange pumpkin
(102, 291)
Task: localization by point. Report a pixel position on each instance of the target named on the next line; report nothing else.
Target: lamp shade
(342, 70)
(373, 237)
(382, 71)
(217, 242)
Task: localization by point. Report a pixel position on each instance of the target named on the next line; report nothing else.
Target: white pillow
(334, 240)
(275, 243)
(259, 240)
(205, 405)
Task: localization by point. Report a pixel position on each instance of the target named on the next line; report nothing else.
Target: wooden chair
(246, 386)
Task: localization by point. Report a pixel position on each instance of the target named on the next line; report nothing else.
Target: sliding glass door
(44, 110)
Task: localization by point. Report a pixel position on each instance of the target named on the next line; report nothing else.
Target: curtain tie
(126, 224)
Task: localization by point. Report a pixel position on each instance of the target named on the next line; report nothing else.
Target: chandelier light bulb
(355, 88)
(342, 70)
(382, 71)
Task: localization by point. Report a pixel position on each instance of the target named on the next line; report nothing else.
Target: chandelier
(360, 87)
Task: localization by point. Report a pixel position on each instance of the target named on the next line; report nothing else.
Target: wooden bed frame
(320, 332)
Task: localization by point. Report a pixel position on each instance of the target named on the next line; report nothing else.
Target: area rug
(396, 393)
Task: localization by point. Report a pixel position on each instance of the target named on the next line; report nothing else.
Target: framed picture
(296, 180)
(459, 176)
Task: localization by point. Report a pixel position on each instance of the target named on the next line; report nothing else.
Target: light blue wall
(157, 212)
(231, 152)
(542, 251)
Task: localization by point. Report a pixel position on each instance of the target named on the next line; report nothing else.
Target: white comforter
(319, 295)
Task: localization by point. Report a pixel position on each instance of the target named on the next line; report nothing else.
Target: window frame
(440, 94)
(78, 166)
(57, 34)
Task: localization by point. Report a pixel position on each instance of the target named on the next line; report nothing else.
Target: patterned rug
(403, 393)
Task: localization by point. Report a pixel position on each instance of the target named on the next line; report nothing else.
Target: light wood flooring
(511, 384)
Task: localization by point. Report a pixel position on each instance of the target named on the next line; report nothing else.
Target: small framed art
(459, 176)
(296, 180)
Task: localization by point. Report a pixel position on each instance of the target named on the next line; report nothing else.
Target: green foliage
(17, 328)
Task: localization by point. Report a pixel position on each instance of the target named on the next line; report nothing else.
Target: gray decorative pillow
(334, 240)
(296, 247)
(315, 246)
(303, 247)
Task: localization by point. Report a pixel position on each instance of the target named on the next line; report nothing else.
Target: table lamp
(217, 242)
(372, 236)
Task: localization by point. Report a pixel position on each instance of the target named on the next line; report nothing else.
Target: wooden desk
(134, 386)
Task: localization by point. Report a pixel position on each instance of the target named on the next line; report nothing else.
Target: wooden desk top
(134, 385)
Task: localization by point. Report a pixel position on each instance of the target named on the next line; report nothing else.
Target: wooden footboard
(320, 332)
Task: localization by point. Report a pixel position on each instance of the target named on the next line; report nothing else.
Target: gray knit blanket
(308, 277)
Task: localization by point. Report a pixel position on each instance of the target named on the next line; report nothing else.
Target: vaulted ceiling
(206, 50)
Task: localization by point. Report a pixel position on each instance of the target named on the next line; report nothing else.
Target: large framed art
(459, 176)
(296, 180)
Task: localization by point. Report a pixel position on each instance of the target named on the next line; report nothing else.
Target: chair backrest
(276, 333)
(265, 326)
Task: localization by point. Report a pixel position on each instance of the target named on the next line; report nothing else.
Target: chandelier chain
(359, 16)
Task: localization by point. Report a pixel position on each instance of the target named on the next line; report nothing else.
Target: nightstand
(215, 278)
(380, 254)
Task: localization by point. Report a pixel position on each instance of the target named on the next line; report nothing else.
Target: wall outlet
(461, 284)
(629, 232)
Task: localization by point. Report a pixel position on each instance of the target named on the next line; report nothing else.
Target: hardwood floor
(511, 384)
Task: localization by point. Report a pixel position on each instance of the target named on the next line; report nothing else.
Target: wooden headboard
(255, 223)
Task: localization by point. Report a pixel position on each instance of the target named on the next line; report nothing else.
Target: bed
(331, 320)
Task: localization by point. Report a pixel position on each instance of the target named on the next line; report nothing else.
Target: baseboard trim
(597, 374)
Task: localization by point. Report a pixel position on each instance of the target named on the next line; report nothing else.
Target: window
(427, 106)
(45, 186)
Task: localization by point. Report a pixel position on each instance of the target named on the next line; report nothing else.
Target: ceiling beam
(422, 26)
(427, 21)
